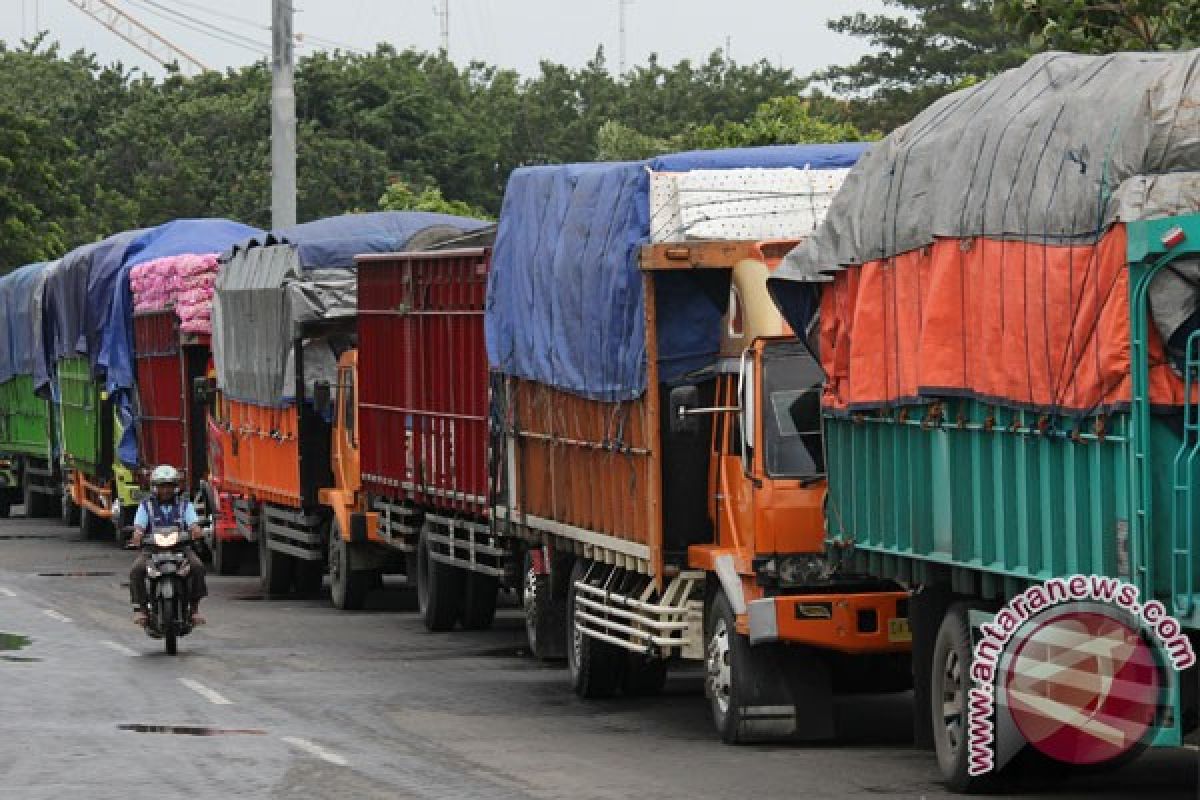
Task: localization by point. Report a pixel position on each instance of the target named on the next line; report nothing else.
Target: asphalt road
(295, 699)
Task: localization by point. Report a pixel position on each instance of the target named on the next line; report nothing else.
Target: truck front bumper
(870, 622)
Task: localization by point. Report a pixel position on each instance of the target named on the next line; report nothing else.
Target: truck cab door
(737, 455)
(346, 464)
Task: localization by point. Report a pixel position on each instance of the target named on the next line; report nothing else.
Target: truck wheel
(36, 503)
(439, 587)
(596, 668)
(747, 689)
(949, 700)
(69, 511)
(348, 589)
(645, 676)
(274, 568)
(92, 526)
(307, 577)
(545, 614)
(128, 514)
(226, 556)
(479, 601)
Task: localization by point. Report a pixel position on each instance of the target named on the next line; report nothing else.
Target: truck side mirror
(683, 400)
(200, 389)
(322, 397)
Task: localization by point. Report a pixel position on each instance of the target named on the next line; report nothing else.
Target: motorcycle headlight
(803, 569)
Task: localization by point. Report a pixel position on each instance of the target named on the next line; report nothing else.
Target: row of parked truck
(807, 415)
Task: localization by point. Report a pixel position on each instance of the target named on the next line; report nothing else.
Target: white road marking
(7, 592)
(120, 648)
(315, 750)
(52, 614)
(208, 694)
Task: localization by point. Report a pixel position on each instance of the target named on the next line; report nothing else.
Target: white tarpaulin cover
(740, 204)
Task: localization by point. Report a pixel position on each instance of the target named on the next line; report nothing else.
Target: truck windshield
(792, 412)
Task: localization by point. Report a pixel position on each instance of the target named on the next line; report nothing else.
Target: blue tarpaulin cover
(78, 298)
(20, 295)
(565, 301)
(333, 242)
(116, 358)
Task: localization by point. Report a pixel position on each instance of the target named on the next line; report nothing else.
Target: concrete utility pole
(621, 25)
(283, 116)
(443, 12)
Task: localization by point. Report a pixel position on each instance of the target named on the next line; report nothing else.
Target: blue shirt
(142, 520)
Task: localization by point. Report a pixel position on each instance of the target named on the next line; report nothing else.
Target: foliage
(927, 50)
(404, 129)
(399, 196)
(1104, 26)
(36, 168)
(781, 120)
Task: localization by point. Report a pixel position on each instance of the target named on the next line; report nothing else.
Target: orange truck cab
(767, 486)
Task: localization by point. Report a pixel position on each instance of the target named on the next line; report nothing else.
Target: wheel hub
(952, 688)
(719, 677)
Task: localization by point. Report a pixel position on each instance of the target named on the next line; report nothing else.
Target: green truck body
(988, 501)
(25, 427)
(87, 440)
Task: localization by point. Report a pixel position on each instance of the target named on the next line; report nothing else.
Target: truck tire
(275, 569)
(348, 588)
(226, 556)
(747, 688)
(69, 513)
(92, 526)
(645, 676)
(545, 613)
(949, 700)
(439, 587)
(37, 504)
(128, 514)
(308, 577)
(596, 668)
(479, 601)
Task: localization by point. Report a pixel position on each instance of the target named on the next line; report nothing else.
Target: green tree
(400, 196)
(780, 120)
(1104, 26)
(928, 50)
(37, 168)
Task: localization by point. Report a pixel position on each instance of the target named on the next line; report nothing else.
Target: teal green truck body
(990, 501)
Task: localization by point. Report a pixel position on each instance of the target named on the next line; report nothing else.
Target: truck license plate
(898, 630)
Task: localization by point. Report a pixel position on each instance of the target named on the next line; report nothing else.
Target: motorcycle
(167, 570)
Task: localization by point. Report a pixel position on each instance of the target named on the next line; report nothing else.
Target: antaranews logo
(1078, 668)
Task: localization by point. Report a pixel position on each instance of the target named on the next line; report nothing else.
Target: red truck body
(423, 379)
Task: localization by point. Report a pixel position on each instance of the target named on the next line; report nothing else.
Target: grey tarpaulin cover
(296, 276)
(20, 319)
(1054, 151)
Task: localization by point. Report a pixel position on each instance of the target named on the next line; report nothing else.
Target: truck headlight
(803, 569)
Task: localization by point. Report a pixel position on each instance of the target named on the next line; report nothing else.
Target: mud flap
(789, 696)
(811, 684)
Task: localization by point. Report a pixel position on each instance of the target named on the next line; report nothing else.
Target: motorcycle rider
(164, 508)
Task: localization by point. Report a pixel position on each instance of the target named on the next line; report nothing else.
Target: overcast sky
(511, 33)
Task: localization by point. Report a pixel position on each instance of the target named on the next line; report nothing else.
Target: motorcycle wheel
(169, 625)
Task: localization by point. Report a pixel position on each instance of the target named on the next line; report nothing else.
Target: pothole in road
(77, 573)
(191, 730)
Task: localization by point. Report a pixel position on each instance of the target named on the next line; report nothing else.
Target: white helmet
(165, 474)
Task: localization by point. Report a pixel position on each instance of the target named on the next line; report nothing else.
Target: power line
(200, 26)
(224, 15)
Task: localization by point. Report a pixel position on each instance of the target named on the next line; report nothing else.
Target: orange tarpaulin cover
(1014, 323)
